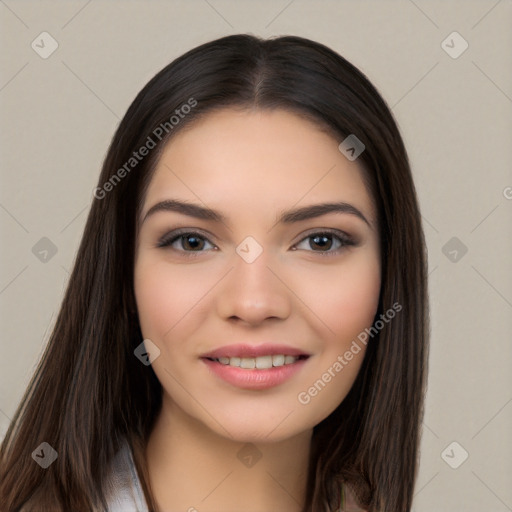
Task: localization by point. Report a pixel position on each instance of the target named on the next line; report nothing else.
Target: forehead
(256, 160)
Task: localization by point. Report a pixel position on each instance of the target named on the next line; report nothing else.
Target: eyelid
(170, 237)
(345, 239)
(343, 235)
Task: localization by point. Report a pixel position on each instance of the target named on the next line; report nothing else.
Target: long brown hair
(89, 391)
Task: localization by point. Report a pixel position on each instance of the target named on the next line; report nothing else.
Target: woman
(246, 323)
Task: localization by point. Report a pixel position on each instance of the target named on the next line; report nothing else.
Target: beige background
(59, 113)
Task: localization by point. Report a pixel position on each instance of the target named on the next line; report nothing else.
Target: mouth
(265, 362)
(255, 367)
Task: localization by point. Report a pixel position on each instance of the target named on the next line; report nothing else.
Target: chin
(247, 428)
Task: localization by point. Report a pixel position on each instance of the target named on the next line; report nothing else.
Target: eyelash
(346, 241)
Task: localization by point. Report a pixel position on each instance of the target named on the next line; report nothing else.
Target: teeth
(261, 362)
(278, 360)
(247, 362)
(264, 362)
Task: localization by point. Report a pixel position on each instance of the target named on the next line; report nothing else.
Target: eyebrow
(286, 217)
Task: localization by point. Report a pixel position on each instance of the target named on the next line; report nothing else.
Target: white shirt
(125, 490)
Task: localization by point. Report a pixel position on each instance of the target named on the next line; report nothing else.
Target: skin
(250, 165)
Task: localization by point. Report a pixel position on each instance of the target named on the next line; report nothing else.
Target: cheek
(356, 303)
(346, 300)
(347, 306)
(163, 298)
(172, 301)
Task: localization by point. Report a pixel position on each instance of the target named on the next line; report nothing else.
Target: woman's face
(264, 277)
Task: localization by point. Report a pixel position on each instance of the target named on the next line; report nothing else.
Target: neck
(193, 469)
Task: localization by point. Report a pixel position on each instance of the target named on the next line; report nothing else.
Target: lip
(254, 379)
(246, 350)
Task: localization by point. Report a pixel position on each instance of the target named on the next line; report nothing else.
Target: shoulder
(124, 491)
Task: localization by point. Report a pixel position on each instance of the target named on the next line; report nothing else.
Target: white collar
(123, 486)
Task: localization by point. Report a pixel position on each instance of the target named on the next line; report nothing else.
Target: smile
(255, 373)
(260, 363)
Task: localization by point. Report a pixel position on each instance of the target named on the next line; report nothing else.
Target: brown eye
(324, 241)
(189, 241)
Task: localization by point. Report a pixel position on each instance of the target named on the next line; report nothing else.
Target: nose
(253, 291)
